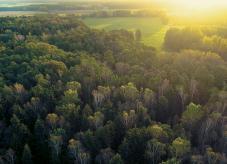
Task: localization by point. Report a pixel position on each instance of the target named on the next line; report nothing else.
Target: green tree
(76, 152)
(191, 116)
(155, 151)
(181, 147)
(55, 145)
(134, 145)
(129, 92)
(20, 134)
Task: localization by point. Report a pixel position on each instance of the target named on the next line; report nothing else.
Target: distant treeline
(46, 7)
(92, 10)
(131, 13)
(75, 6)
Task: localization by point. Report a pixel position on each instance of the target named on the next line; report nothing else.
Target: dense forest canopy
(71, 94)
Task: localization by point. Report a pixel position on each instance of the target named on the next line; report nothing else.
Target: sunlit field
(153, 29)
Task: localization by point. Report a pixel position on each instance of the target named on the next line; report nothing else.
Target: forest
(75, 95)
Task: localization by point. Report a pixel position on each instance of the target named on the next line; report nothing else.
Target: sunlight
(194, 11)
(200, 4)
(193, 5)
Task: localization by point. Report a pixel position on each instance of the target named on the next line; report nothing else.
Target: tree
(116, 159)
(212, 157)
(149, 97)
(87, 111)
(192, 115)
(20, 133)
(157, 132)
(56, 69)
(129, 119)
(55, 144)
(175, 39)
(105, 135)
(20, 92)
(134, 145)
(181, 147)
(163, 105)
(2, 48)
(129, 92)
(100, 95)
(155, 151)
(163, 87)
(138, 35)
(10, 156)
(183, 96)
(193, 89)
(52, 119)
(41, 138)
(77, 153)
(27, 155)
(104, 156)
(96, 121)
(70, 97)
(73, 85)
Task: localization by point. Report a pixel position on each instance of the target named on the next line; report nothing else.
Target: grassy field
(153, 30)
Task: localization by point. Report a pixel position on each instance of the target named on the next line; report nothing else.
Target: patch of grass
(153, 30)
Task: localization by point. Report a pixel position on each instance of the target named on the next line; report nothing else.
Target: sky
(193, 3)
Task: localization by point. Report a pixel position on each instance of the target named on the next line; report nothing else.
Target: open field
(153, 30)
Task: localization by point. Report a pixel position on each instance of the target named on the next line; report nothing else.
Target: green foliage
(195, 38)
(193, 114)
(181, 147)
(155, 151)
(134, 145)
(81, 95)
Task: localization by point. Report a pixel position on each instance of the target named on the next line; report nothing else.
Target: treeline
(71, 94)
(131, 13)
(80, 5)
(204, 39)
(54, 7)
(92, 10)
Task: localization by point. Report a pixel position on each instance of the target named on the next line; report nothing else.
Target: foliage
(71, 94)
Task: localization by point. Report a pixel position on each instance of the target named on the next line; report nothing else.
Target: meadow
(153, 29)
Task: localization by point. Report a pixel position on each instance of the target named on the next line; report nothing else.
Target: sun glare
(195, 10)
(194, 5)
(200, 4)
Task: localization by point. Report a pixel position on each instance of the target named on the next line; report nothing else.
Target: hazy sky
(200, 3)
